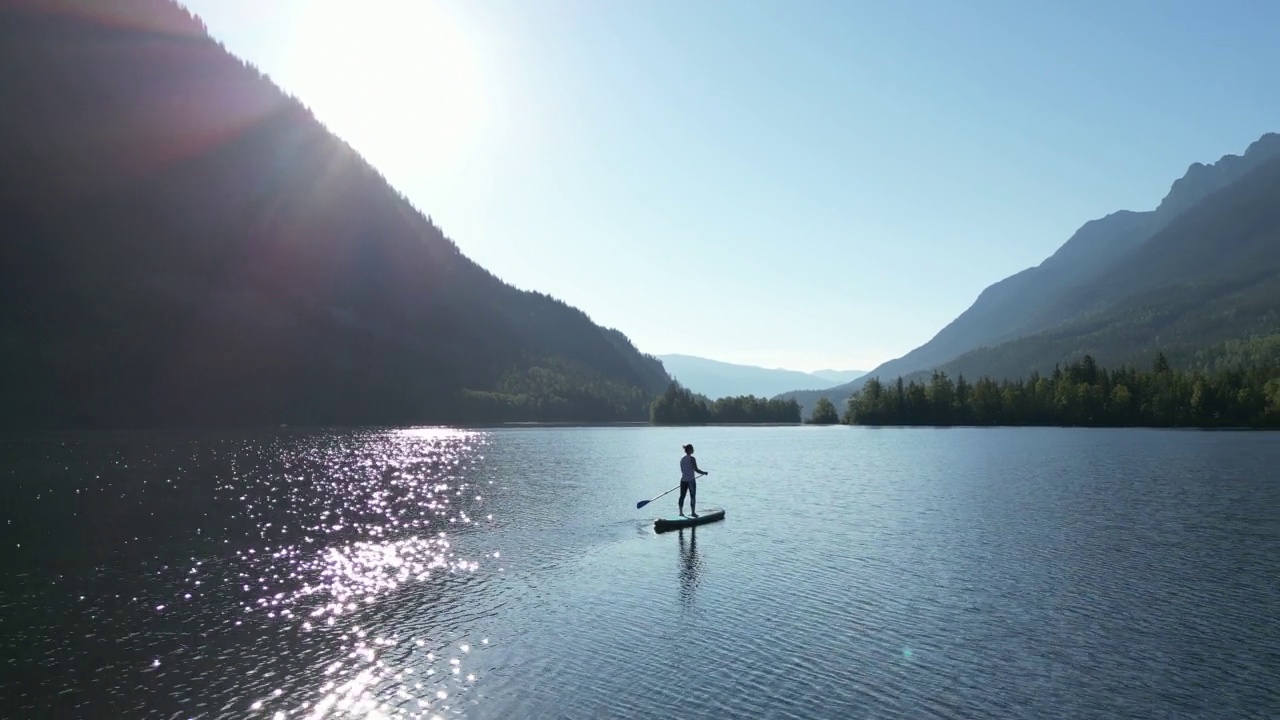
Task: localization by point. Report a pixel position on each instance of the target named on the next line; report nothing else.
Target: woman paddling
(689, 473)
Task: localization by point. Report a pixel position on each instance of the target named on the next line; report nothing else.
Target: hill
(839, 377)
(1209, 278)
(716, 379)
(1032, 300)
(1197, 271)
(185, 244)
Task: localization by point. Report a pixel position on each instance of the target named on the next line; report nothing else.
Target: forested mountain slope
(1199, 270)
(183, 243)
(1031, 301)
(1210, 277)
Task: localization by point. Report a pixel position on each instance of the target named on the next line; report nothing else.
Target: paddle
(642, 503)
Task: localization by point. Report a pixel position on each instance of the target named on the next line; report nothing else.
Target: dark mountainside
(185, 244)
(1195, 272)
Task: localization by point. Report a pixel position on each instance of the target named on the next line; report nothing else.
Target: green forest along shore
(1081, 394)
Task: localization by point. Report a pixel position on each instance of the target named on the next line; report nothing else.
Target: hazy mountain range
(717, 379)
(1200, 270)
(839, 376)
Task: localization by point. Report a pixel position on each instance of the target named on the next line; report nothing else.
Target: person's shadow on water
(690, 565)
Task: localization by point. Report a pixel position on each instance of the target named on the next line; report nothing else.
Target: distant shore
(11, 435)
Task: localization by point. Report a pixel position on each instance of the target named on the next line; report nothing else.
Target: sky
(798, 183)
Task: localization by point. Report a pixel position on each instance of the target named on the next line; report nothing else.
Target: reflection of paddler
(689, 473)
(688, 563)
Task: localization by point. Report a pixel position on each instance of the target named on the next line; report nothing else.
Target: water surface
(860, 573)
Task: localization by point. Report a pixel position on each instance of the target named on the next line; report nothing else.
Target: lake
(859, 573)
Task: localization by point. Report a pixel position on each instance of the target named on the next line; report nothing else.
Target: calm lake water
(859, 573)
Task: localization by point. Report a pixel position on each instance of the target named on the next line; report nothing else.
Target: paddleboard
(706, 515)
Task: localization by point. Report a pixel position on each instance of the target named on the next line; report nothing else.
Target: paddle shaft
(642, 503)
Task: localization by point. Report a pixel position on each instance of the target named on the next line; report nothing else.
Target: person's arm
(696, 469)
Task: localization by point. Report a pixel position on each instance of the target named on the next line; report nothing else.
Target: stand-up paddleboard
(707, 515)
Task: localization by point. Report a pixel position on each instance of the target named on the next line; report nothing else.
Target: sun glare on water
(398, 79)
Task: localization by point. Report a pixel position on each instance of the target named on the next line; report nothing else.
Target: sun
(397, 79)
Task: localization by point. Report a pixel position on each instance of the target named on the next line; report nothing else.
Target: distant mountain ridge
(184, 244)
(716, 379)
(1214, 227)
(839, 376)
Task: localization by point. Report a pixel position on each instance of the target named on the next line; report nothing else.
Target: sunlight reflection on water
(445, 573)
(362, 523)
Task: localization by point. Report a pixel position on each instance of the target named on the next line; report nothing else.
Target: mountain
(1197, 271)
(716, 379)
(1207, 279)
(1032, 300)
(839, 376)
(184, 244)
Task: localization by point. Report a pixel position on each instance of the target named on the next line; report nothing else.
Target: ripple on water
(353, 575)
(295, 548)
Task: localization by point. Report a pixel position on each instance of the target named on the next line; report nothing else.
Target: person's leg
(684, 488)
(693, 498)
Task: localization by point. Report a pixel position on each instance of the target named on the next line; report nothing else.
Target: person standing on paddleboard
(689, 473)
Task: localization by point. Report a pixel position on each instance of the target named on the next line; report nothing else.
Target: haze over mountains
(838, 376)
(1200, 270)
(717, 379)
(184, 244)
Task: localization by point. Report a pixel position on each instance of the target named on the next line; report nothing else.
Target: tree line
(1080, 394)
(681, 406)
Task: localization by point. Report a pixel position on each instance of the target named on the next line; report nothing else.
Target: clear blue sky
(799, 183)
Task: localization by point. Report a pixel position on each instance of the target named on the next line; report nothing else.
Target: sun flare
(398, 79)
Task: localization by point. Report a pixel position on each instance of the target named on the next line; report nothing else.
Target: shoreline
(68, 433)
